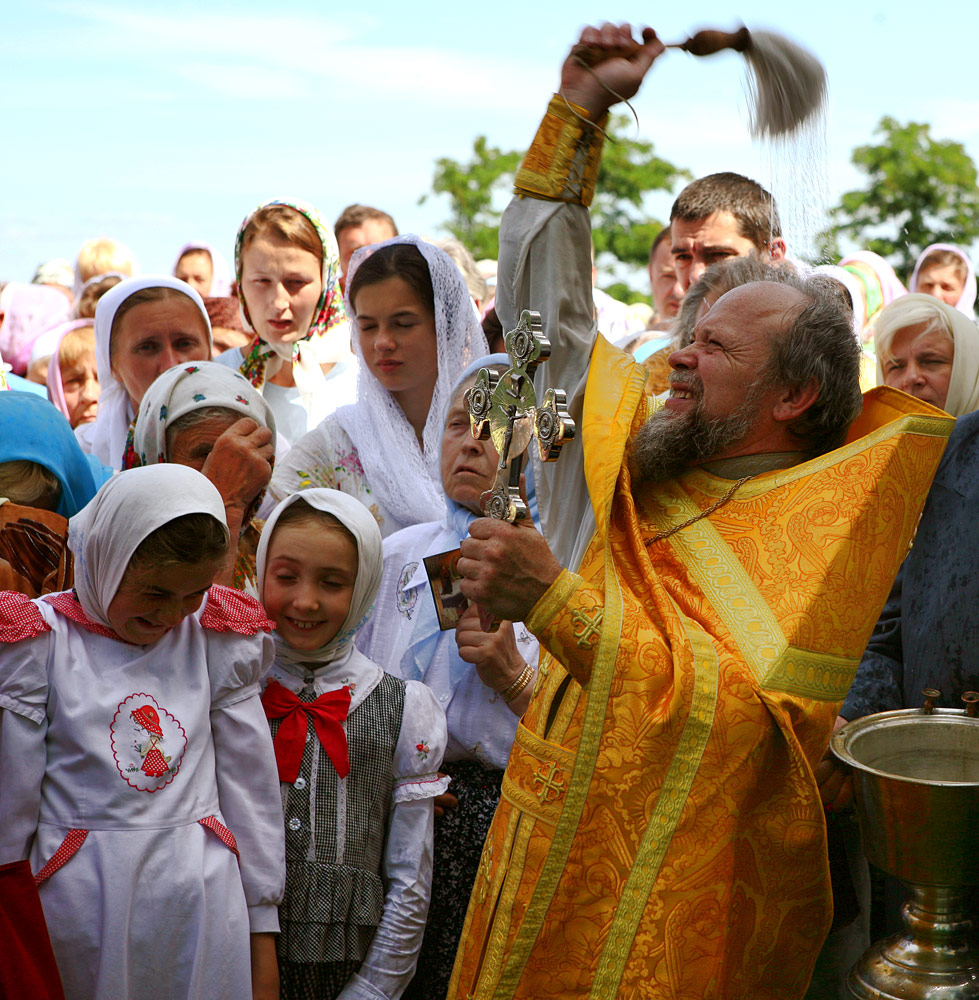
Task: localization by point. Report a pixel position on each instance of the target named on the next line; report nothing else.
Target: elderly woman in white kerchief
(930, 350)
(143, 326)
(212, 419)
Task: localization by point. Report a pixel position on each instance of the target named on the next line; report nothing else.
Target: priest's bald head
(773, 368)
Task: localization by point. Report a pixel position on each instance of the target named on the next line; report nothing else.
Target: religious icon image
(148, 743)
(444, 577)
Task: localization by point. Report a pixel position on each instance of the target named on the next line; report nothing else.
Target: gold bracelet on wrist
(514, 691)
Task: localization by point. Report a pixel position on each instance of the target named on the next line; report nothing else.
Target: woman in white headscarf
(482, 680)
(414, 330)
(143, 327)
(930, 350)
(205, 269)
(946, 272)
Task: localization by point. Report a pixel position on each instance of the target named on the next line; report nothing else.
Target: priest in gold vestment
(660, 833)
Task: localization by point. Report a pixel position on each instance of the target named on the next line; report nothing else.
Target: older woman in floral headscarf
(210, 418)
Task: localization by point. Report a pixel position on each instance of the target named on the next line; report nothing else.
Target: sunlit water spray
(798, 169)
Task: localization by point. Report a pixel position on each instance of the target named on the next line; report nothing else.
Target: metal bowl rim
(883, 720)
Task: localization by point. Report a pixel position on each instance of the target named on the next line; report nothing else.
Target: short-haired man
(361, 226)
(721, 216)
(715, 218)
(660, 832)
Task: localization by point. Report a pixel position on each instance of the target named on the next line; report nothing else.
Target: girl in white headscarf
(414, 330)
(929, 349)
(204, 268)
(357, 752)
(946, 272)
(135, 760)
(143, 326)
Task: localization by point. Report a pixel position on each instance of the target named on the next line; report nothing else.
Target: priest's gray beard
(669, 444)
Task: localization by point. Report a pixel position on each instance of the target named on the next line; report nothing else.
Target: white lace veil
(405, 479)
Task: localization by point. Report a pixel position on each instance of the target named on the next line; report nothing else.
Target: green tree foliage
(629, 170)
(479, 189)
(920, 190)
(471, 186)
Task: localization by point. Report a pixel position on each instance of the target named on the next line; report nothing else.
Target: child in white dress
(357, 752)
(135, 765)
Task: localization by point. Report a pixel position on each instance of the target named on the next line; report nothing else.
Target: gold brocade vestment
(660, 833)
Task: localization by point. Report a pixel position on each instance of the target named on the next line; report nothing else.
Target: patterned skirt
(459, 836)
(313, 980)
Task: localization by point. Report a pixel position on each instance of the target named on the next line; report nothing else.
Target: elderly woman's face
(192, 445)
(153, 337)
(468, 465)
(920, 363)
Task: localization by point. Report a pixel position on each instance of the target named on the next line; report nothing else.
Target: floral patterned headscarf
(328, 337)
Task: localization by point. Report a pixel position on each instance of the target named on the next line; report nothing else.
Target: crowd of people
(242, 751)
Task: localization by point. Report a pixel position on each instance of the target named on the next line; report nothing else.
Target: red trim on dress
(223, 834)
(67, 604)
(230, 610)
(20, 617)
(65, 852)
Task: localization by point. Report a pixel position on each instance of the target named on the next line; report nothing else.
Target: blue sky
(163, 123)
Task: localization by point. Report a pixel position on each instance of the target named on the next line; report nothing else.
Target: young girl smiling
(357, 752)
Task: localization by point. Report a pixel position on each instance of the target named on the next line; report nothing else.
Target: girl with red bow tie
(357, 752)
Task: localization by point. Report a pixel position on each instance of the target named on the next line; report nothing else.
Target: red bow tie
(327, 711)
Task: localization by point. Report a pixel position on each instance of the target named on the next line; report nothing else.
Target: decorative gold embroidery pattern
(549, 782)
(591, 628)
(562, 162)
(484, 876)
(666, 815)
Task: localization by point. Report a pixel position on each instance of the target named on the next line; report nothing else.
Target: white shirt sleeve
(23, 730)
(248, 782)
(23, 758)
(248, 789)
(407, 868)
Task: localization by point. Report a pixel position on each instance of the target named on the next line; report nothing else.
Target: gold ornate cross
(504, 408)
(591, 628)
(551, 787)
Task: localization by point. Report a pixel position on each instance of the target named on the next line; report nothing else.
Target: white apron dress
(153, 754)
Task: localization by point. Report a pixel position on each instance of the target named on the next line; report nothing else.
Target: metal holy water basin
(916, 781)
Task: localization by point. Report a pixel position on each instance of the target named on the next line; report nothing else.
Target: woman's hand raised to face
(240, 463)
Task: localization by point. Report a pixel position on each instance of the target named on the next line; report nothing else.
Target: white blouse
(480, 724)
